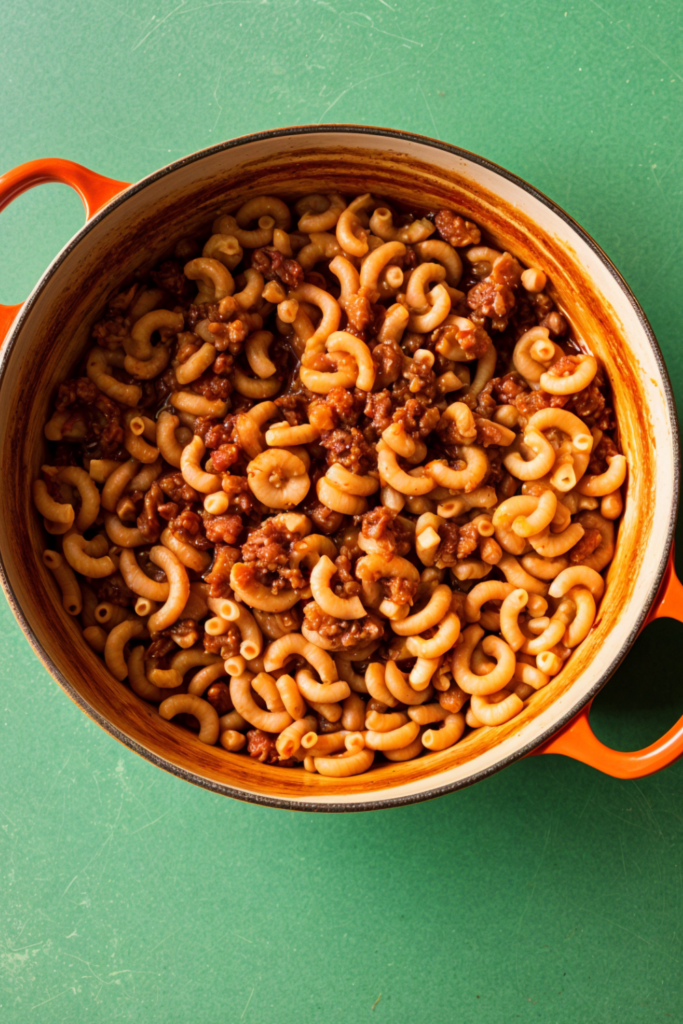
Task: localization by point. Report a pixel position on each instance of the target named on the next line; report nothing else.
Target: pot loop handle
(578, 740)
(94, 189)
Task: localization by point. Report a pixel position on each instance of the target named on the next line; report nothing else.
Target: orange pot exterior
(578, 740)
(575, 739)
(94, 189)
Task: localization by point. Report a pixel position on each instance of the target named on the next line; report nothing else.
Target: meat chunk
(389, 361)
(227, 645)
(379, 410)
(188, 527)
(114, 590)
(261, 746)
(530, 402)
(148, 521)
(174, 486)
(585, 547)
(380, 526)
(224, 529)
(269, 547)
(456, 542)
(212, 386)
(455, 229)
(218, 695)
(350, 449)
(488, 432)
(225, 456)
(111, 333)
(272, 264)
(218, 577)
(342, 634)
(169, 276)
(474, 340)
(339, 408)
(417, 418)
(587, 404)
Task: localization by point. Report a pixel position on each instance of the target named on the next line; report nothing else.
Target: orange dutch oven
(128, 226)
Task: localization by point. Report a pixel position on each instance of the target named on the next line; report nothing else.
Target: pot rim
(457, 151)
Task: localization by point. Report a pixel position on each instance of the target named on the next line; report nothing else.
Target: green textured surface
(546, 893)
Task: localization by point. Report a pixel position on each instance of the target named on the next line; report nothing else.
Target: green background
(546, 893)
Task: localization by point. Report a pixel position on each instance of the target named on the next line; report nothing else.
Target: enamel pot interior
(137, 229)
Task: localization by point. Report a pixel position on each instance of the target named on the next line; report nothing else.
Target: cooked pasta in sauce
(334, 485)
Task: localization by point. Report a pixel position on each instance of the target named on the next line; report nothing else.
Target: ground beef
(168, 510)
(324, 519)
(399, 590)
(604, 450)
(342, 634)
(188, 344)
(350, 449)
(111, 333)
(587, 404)
(169, 276)
(488, 432)
(585, 547)
(294, 406)
(176, 489)
(272, 264)
(218, 577)
(564, 367)
(379, 410)
(261, 746)
(114, 590)
(380, 526)
(344, 583)
(187, 526)
(452, 699)
(417, 379)
(505, 389)
(417, 419)
(223, 364)
(184, 633)
(148, 521)
(215, 435)
(269, 547)
(101, 416)
(218, 696)
(227, 644)
(542, 304)
(237, 489)
(229, 337)
(456, 542)
(161, 645)
(493, 300)
(225, 456)
(474, 340)
(339, 408)
(358, 310)
(531, 401)
(555, 323)
(388, 359)
(495, 296)
(212, 386)
(223, 529)
(455, 229)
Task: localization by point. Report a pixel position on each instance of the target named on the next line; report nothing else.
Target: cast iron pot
(132, 225)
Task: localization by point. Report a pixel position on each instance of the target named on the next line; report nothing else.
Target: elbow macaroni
(304, 516)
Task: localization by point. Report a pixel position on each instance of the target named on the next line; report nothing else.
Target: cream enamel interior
(135, 230)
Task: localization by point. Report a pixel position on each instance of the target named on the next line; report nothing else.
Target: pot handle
(578, 740)
(94, 189)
